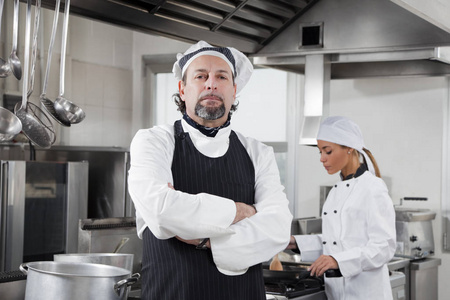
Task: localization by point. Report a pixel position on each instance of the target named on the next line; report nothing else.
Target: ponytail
(375, 165)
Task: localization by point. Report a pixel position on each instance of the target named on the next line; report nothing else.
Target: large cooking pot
(75, 281)
(120, 260)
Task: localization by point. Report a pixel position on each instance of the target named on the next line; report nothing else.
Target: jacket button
(334, 243)
(335, 211)
(348, 185)
(335, 185)
(324, 242)
(324, 212)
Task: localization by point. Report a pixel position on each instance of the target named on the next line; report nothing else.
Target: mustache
(210, 95)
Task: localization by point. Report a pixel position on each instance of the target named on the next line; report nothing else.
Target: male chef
(209, 203)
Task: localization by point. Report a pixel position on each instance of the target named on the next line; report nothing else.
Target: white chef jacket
(358, 230)
(168, 213)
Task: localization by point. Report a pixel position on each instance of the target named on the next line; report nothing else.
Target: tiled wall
(98, 76)
(104, 92)
(104, 75)
(101, 83)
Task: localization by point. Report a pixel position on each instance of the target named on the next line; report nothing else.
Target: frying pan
(289, 275)
(293, 273)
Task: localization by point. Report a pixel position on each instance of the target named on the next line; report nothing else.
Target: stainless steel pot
(74, 281)
(120, 260)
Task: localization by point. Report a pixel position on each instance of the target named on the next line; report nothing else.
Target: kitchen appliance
(112, 235)
(424, 278)
(415, 244)
(108, 195)
(104, 235)
(310, 225)
(108, 172)
(12, 285)
(294, 282)
(400, 288)
(398, 281)
(41, 203)
(414, 232)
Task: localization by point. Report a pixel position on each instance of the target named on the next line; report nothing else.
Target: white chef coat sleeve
(310, 246)
(380, 247)
(165, 211)
(260, 237)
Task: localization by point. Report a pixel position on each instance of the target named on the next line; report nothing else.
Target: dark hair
(182, 105)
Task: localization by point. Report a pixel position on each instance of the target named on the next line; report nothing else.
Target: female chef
(358, 219)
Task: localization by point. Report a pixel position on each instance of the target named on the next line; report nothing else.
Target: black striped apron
(173, 270)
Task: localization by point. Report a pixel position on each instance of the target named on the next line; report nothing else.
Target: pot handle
(24, 268)
(126, 282)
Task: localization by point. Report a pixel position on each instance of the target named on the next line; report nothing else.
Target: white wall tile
(122, 58)
(79, 82)
(95, 79)
(89, 132)
(117, 88)
(117, 124)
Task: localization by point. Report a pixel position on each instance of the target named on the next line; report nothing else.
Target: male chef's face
(209, 91)
(334, 157)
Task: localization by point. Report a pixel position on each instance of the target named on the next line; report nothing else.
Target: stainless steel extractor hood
(354, 39)
(334, 39)
(363, 38)
(247, 25)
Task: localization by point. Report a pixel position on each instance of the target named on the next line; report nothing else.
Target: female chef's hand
(323, 263)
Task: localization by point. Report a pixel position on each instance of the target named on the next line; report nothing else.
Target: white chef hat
(239, 64)
(345, 132)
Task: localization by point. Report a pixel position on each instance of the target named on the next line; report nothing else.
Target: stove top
(302, 287)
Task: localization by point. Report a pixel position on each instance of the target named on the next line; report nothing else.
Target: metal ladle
(65, 109)
(14, 62)
(46, 102)
(10, 125)
(33, 127)
(5, 69)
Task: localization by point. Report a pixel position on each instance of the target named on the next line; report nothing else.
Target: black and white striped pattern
(173, 270)
(224, 51)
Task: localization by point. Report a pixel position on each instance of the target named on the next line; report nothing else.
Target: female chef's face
(334, 157)
(209, 90)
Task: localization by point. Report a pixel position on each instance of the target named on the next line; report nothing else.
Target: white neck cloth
(343, 131)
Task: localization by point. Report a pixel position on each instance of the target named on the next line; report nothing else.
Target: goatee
(210, 113)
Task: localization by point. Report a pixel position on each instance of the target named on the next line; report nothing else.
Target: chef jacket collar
(208, 131)
(362, 168)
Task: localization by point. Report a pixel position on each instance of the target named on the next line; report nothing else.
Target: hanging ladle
(14, 62)
(33, 127)
(10, 125)
(5, 69)
(46, 102)
(37, 13)
(66, 109)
